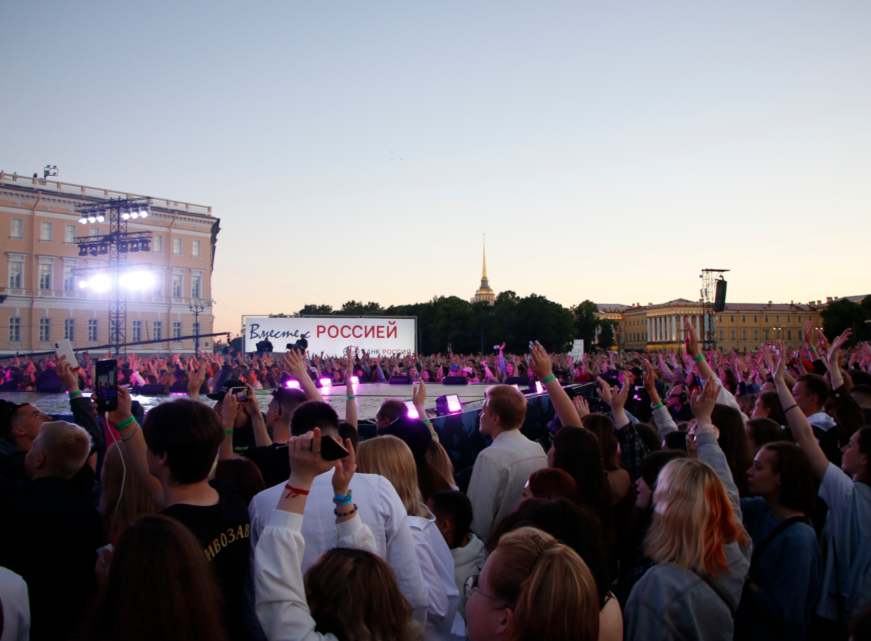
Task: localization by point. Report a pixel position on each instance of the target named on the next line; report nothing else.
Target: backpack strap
(757, 552)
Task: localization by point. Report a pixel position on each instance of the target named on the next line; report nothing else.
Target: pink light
(355, 380)
(539, 388)
(412, 413)
(326, 382)
(292, 385)
(454, 404)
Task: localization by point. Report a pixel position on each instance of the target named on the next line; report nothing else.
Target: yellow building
(40, 301)
(742, 326)
(484, 293)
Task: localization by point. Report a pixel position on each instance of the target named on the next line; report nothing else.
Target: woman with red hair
(698, 542)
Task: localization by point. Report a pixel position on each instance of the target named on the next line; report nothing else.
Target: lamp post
(198, 307)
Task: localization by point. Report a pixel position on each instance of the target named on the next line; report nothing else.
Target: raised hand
(703, 401)
(540, 364)
(581, 406)
(345, 469)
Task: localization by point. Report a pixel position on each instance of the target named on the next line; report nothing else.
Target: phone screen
(106, 385)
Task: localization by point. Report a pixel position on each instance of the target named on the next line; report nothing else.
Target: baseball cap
(226, 387)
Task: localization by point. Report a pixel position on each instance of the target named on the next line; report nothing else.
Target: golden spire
(484, 275)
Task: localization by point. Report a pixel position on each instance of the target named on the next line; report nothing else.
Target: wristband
(425, 420)
(294, 491)
(343, 498)
(74, 395)
(351, 398)
(550, 378)
(228, 432)
(791, 407)
(657, 406)
(698, 359)
(813, 349)
(123, 425)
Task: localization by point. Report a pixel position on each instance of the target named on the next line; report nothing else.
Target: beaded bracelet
(351, 513)
(550, 378)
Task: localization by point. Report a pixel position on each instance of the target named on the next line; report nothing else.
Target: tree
(315, 310)
(542, 320)
(353, 308)
(845, 314)
(586, 321)
(606, 334)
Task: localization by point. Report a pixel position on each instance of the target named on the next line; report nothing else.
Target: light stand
(198, 307)
(709, 328)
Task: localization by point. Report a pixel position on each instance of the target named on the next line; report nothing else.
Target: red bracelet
(294, 492)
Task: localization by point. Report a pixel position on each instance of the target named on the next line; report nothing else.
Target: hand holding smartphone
(106, 385)
(65, 348)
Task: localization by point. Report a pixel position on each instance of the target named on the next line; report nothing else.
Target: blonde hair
(438, 459)
(391, 458)
(66, 448)
(693, 520)
(508, 404)
(548, 586)
(121, 506)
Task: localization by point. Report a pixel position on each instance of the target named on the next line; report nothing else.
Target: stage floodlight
(137, 281)
(134, 214)
(412, 413)
(100, 283)
(292, 385)
(355, 380)
(125, 215)
(92, 219)
(143, 212)
(101, 218)
(83, 284)
(83, 220)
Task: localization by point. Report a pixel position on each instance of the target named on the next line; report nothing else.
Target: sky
(359, 150)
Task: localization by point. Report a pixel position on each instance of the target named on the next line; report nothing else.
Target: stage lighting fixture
(92, 250)
(326, 384)
(83, 220)
(92, 219)
(83, 251)
(143, 211)
(539, 388)
(292, 385)
(104, 249)
(355, 380)
(412, 413)
(83, 284)
(100, 283)
(101, 218)
(137, 281)
(134, 214)
(454, 404)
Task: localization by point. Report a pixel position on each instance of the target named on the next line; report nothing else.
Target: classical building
(40, 300)
(742, 326)
(484, 293)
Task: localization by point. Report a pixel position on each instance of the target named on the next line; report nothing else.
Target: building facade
(742, 326)
(41, 298)
(484, 294)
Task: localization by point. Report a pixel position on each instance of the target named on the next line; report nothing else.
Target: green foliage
(315, 310)
(586, 321)
(353, 308)
(606, 334)
(845, 314)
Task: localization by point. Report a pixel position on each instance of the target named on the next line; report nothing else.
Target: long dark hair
(160, 586)
(798, 490)
(734, 443)
(577, 452)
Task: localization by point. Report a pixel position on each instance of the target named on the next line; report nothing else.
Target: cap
(226, 387)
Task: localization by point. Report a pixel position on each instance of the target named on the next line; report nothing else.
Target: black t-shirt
(223, 530)
(273, 463)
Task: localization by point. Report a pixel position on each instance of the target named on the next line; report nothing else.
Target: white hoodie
(468, 560)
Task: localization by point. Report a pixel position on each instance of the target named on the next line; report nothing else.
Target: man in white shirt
(378, 504)
(501, 470)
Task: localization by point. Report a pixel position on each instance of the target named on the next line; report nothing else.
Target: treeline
(477, 327)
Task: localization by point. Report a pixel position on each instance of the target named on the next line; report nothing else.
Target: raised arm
(350, 392)
(798, 423)
(562, 404)
(294, 361)
(694, 350)
(83, 413)
(703, 402)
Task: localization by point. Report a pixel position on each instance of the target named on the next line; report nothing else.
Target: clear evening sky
(358, 150)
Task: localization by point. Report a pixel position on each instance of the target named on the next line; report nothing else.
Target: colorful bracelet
(343, 499)
(351, 513)
(699, 358)
(658, 406)
(228, 432)
(74, 395)
(351, 398)
(813, 349)
(294, 491)
(550, 378)
(123, 425)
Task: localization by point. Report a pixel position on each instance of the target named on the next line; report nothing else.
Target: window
(731, 319)
(176, 285)
(176, 331)
(158, 244)
(801, 334)
(720, 319)
(733, 334)
(70, 234)
(44, 329)
(799, 319)
(14, 330)
(70, 329)
(137, 331)
(766, 319)
(195, 248)
(788, 318)
(721, 334)
(755, 319)
(17, 228)
(158, 330)
(45, 230)
(743, 319)
(767, 334)
(69, 279)
(158, 285)
(16, 268)
(93, 329)
(45, 277)
(94, 231)
(755, 334)
(176, 246)
(789, 334)
(777, 319)
(196, 286)
(743, 334)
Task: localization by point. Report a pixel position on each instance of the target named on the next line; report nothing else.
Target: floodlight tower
(118, 243)
(709, 285)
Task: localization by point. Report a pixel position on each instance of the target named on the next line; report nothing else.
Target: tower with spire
(484, 293)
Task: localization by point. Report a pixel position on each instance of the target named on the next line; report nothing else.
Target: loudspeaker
(153, 390)
(720, 297)
(50, 388)
(400, 380)
(455, 380)
(517, 380)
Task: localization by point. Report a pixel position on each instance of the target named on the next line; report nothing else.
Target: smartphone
(65, 348)
(241, 394)
(106, 385)
(331, 449)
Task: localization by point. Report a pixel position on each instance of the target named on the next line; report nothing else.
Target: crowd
(698, 495)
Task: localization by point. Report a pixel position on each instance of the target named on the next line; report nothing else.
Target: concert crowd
(689, 495)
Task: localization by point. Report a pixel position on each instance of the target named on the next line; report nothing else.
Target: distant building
(40, 300)
(484, 293)
(742, 326)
